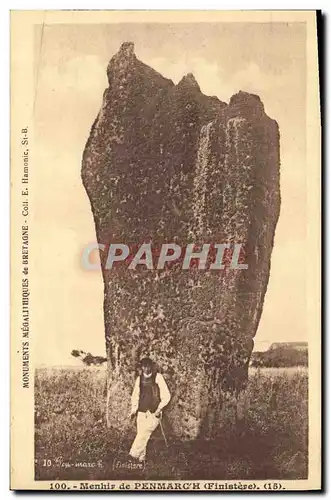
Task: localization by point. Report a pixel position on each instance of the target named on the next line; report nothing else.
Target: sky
(70, 77)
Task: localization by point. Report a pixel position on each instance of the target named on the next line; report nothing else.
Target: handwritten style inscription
(60, 462)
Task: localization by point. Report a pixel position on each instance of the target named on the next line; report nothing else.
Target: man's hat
(146, 362)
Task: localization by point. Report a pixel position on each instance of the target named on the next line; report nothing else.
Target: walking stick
(164, 436)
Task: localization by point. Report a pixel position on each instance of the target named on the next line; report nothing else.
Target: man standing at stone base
(150, 395)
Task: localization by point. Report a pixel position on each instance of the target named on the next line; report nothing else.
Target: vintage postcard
(165, 251)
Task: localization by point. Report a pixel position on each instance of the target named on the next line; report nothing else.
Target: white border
(4, 171)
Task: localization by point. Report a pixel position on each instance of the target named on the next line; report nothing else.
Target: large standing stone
(165, 163)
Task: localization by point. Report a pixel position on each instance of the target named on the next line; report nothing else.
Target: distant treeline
(283, 356)
(87, 358)
(280, 357)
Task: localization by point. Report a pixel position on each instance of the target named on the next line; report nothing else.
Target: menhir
(165, 163)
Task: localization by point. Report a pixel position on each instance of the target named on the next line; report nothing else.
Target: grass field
(73, 442)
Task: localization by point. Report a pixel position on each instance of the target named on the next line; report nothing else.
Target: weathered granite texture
(165, 163)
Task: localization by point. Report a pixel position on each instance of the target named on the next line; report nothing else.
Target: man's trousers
(146, 424)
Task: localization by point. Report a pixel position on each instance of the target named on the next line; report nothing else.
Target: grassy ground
(72, 441)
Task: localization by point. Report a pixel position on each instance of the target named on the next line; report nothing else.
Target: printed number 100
(58, 486)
